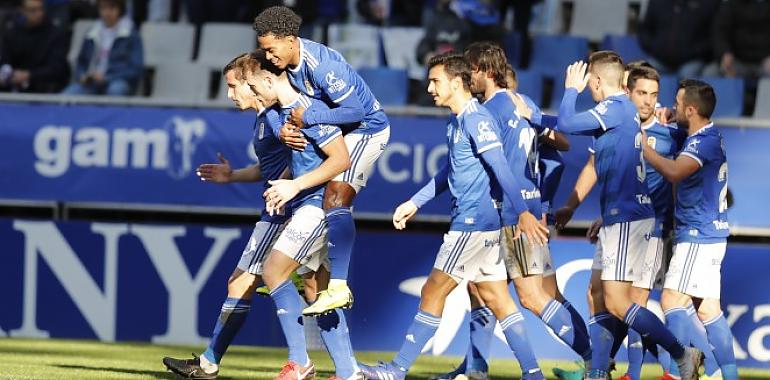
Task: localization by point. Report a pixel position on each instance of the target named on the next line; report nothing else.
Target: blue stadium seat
(668, 88)
(552, 54)
(584, 100)
(390, 86)
(762, 105)
(729, 93)
(627, 46)
(531, 84)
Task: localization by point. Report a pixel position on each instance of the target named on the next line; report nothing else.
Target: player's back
(518, 139)
(619, 164)
(272, 154)
(666, 140)
(312, 156)
(323, 73)
(473, 205)
(701, 207)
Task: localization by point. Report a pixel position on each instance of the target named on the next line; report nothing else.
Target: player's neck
(696, 124)
(490, 91)
(459, 101)
(611, 91)
(648, 122)
(285, 93)
(297, 49)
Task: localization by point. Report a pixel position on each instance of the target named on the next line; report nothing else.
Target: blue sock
(516, 335)
(336, 338)
(619, 333)
(664, 358)
(721, 338)
(581, 331)
(342, 235)
(231, 318)
(482, 329)
(288, 306)
(699, 339)
(600, 327)
(635, 354)
(556, 316)
(647, 324)
(679, 324)
(422, 329)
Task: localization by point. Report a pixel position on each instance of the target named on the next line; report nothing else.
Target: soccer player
(303, 239)
(528, 265)
(627, 215)
(476, 167)
(700, 173)
(323, 73)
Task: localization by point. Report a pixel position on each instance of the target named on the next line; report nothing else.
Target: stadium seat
(762, 105)
(181, 81)
(360, 44)
(167, 41)
(390, 86)
(400, 47)
(627, 46)
(729, 93)
(220, 42)
(552, 54)
(667, 91)
(531, 84)
(79, 31)
(593, 19)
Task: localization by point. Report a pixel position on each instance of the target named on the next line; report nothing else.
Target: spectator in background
(391, 12)
(446, 31)
(111, 59)
(34, 53)
(674, 32)
(742, 39)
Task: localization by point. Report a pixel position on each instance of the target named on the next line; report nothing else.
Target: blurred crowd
(684, 37)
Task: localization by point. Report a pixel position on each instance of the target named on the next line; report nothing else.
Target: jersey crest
(309, 88)
(261, 131)
(651, 141)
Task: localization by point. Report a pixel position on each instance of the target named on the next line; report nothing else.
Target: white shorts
(474, 256)
(304, 239)
(260, 243)
(623, 249)
(653, 260)
(695, 269)
(364, 151)
(521, 259)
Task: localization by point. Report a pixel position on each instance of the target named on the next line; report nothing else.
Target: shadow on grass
(156, 374)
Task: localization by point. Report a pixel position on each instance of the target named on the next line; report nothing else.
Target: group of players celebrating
(319, 130)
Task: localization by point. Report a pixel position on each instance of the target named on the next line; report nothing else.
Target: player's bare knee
(709, 310)
(670, 299)
(529, 298)
(338, 194)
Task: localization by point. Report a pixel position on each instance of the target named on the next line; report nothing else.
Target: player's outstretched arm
(223, 173)
(672, 170)
(585, 182)
(542, 123)
(437, 185)
(337, 161)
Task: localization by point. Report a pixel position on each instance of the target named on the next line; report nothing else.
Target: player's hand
(521, 106)
(404, 212)
(577, 77)
(563, 216)
(530, 225)
(665, 115)
(217, 173)
(593, 232)
(296, 116)
(292, 137)
(280, 192)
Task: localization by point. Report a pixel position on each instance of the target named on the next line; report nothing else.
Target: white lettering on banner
(734, 312)
(420, 164)
(170, 148)
(757, 348)
(183, 289)
(97, 306)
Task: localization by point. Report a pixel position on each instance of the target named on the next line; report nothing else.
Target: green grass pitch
(56, 359)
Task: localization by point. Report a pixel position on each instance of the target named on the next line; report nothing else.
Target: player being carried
(322, 73)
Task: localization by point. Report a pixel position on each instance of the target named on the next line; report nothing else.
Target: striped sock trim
(713, 320)
(675, 310)
(427, 319)
(691, 310)
(280, 287)
(631, 314)
(550, 310)
(599, 317)
(511, 320)
(481, 313)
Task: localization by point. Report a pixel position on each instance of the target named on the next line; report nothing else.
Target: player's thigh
(640, 295)
(471, 255)
(261, 241)
(242, 284)
(473, 296)
(653, 259)
(708, 309)
(670, 299)
(364, 151)
(624, 246)
(302, 240)
(617, 297)
(522, 259)
(435, 291)
(496, 296)
(596, 293)
(695, 269)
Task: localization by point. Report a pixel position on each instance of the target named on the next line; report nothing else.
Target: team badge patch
(309, 88)
(651, 141)
(261, 131)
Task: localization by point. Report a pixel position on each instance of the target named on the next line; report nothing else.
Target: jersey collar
(495, 94)
(654, 121)
(471, 106)
(301, 56)
(705, 129)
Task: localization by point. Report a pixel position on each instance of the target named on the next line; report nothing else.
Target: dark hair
(454, 66)
(639, 63)
(641, 72)
(700, 95)
(603, 57)
(510, 71)
(120, 4)
(488, 57)
(278, 21)
(236, 64)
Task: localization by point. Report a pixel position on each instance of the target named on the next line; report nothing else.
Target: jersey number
(641, 169)
(527, 140)
(723, 194)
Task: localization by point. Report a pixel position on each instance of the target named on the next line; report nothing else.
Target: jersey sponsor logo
(601, 108)
(643, 199)
(692, 146)
(335, 84)
(721, 225)
(486, 134)
(309, 88)
(491, 242)
(470, 221)
(261, 131)
(530, 194)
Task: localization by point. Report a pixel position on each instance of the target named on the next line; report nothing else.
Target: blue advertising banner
(165, 284)
(148, 155)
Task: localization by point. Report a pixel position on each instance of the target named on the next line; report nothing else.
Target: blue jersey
(701, 198)
(667, 141)
(272, 154)
(470, 133)
(620, 167)
(313, 156)
(519, 140)
(323, 73)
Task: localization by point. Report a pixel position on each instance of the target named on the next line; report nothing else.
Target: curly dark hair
(455, 66)
(278, 21)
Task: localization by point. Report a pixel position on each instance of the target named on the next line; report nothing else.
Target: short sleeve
(609, 113)
(592, 146)
(334, 79)
(701, 148)
(483, 133)
(322, 134)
